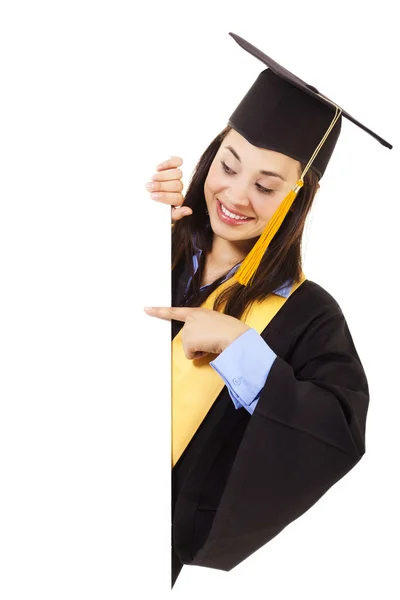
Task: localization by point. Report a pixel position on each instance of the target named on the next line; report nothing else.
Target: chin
(230, 236)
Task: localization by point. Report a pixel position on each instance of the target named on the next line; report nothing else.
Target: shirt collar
(283, 291)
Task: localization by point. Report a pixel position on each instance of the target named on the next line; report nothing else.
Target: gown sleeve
(307, 431)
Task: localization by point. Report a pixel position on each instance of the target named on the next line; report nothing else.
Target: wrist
(234, 335)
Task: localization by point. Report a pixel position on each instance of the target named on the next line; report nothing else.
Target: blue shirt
(245, 364)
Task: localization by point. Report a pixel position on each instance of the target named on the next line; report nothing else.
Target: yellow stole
(195, 384)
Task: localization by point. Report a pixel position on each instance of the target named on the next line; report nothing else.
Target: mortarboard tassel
(250, 264)
(252, 261)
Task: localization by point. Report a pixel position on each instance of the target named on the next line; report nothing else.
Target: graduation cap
(281, 112)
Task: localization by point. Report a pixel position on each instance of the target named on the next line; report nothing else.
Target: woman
(269, 395)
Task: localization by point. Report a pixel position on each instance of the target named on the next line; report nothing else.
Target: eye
(227, 169)
(264, 190)
(260, 188)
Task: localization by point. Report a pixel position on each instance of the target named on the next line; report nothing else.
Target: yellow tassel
(250, 264)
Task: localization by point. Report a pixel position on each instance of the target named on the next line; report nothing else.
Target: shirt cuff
(244, 366)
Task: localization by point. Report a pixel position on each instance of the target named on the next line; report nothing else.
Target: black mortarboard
(281, 112)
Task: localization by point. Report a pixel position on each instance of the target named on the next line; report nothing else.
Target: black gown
(243, 478)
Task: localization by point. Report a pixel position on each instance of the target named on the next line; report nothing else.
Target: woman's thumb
(180, 212)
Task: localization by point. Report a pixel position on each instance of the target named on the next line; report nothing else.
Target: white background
(94, 95)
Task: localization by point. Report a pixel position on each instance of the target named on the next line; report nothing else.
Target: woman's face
(236, 183)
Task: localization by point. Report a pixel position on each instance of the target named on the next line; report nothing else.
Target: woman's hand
(205, 331)
(166, 187)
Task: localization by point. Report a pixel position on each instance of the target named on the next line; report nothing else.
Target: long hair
(280, 263)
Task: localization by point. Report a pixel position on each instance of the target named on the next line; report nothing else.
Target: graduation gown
(243, 478)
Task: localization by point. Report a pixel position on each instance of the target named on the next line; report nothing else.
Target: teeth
(233, 216)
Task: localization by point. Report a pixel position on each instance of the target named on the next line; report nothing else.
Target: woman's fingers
(167, 175)
(172, 198)
(171, 163)
(180, 212)
(165, 186)
(174, 185)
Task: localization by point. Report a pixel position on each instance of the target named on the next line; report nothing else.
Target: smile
(226, 216)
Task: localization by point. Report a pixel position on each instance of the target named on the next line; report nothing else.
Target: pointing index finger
(168, 313)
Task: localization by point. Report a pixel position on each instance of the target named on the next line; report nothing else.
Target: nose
(238, 197)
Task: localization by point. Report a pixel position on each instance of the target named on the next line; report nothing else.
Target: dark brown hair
(281, 262)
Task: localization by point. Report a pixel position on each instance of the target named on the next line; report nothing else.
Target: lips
(230, 220)
(235, 212)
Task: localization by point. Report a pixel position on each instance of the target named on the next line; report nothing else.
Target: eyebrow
(267, 173)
